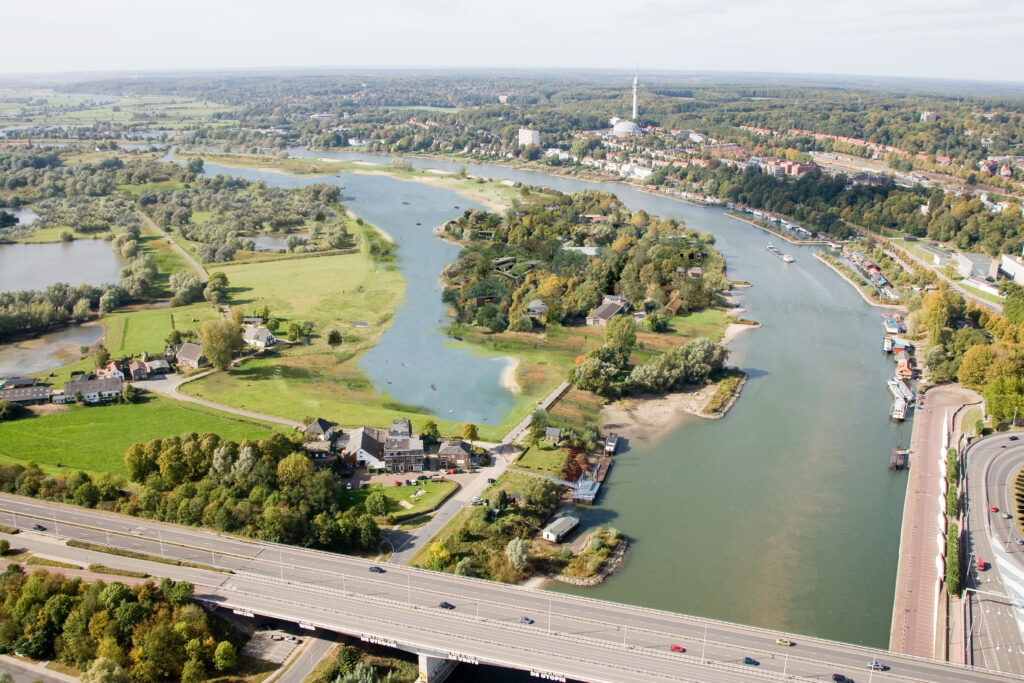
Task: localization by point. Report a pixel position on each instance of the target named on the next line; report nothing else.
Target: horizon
(915, 39)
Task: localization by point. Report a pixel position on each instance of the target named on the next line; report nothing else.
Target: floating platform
(899, 458)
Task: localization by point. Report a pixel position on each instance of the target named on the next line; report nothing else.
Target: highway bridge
(566, 637)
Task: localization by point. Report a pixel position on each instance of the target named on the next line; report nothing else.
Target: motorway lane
(608, 624)
(991, 464)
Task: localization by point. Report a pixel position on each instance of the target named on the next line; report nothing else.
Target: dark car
(876, 665)
(1014, 438)
(421, 477)
(39, 527)
(376, 570)
(490, 481)
(751, 661)
(446, 605)
(840, 678)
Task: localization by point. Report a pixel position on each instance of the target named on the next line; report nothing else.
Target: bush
(5, 546)
(522, 324)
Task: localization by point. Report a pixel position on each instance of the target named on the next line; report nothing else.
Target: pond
(24, 216)
(46, 352)
(36, 266)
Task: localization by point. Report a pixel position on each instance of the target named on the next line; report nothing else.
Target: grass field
(95, 438)
(435, 491)
(542, 459)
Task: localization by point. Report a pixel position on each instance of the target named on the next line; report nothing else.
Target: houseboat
(887, 344)
(904, 391)
(899, 409)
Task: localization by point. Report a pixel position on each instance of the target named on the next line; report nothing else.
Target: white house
(364, 447)
(560, 528)
(1013, 267)
(258, 337)
(528, 137)
(94, 390)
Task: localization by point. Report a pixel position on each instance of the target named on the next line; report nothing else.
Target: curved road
(996, 606)
(576, 637)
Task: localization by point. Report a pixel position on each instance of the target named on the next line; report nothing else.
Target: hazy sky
(972, 39)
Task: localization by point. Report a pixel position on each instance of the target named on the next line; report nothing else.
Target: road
(995, 621)
(313, 650)
(572, 636)
(200, 271)
(25, 672)
(915, 608)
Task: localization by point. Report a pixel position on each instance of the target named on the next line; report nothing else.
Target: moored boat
(899, 409)
(887, 344)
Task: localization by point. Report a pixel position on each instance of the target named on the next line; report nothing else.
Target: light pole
(56, 528)
(784, 665)
(549, 615)
(213, 557)
(280, 563)
(705, 643)
(160, 537)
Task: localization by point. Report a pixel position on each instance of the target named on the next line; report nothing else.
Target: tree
(193, 671)
(294, 471)
(221, 338)
(129, 394)
(225, 657)
(187, 288)
(102, 356)
(195, 166)
(11, 411)
(538, 424)
(104, 670)
(430, 431)
(502, 500)
(518, 553)
(217, 288)
(469, 432)
(620, 333)
(334, 338)
(377, 503)
(5, 545)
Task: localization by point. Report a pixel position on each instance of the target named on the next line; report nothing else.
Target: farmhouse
(365, 448)
(138, 370)
(26, 396)
(319, 430)
(94, 390)
(258, 337)
(190, 356)
(537, 307)
(552, 434)
(612, 306)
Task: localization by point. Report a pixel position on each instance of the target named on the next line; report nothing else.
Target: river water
(782, 515)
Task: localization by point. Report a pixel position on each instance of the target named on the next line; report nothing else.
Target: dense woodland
(112, 632)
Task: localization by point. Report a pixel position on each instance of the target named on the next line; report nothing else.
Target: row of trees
(112, 632)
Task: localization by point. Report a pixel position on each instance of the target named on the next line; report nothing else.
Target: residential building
(552, 434)
(252, 320)
(929, 117)
(537, 307)
(94, 390)
(18, 382)
(979, 265)
(403, 454)
(365, 447)
(258, 337)
(138, 370)
(319, 430)
(528, 137)
(560, 528)
(695, 272)
(158, 367)
(111, 370)
(612, 306)
(190, 356)
(318, 450)
(402, 427)
(455, 453)
(1013, 267)
(26, 395)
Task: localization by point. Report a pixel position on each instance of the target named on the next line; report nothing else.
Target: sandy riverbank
(860, 290)
(444, 182)
(508, 375)
(380, 231)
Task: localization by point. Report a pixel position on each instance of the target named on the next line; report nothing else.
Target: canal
(782, 515)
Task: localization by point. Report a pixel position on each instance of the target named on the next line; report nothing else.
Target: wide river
(782, 515)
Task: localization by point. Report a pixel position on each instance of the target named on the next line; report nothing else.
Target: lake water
(413, 354)
(782, 515)
(24, 216)
(36, 266)
(46, 352)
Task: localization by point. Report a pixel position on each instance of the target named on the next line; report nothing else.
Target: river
(782, 515)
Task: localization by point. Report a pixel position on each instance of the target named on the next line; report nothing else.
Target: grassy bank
(95, 438)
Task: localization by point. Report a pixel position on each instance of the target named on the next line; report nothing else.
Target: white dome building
(624, 129)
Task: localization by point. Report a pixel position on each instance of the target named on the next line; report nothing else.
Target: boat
(901, 389)
(405, 202)
(433, 387)
(899, 409)
(898, 458)
(887, 344)
(787, 258)
(611, 443)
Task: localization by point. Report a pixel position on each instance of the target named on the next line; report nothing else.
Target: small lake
(36, 266)
(24, 216)
(274, 242)
(46, 352)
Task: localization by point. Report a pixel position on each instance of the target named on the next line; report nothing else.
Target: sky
(956, 39)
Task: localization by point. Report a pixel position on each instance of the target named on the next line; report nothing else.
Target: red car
(677, 648)
(993, 508)
(981, 565)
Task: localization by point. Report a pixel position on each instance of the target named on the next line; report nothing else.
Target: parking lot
(273, 642)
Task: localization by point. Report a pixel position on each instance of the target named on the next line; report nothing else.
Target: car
(526, 620)
(398, 483)
(293, 639)
(1014, 438)
(876, 665)
(1019, 541)
(376, 570)
(993, 508)
(446, 605)
(348, 486)
(39, 527)
(785, 642)
(277, 636)
(458, 470)
(751, 661)
(408, 482)
(677, 648)
(490, 481)
(840, 678)
(1006, 515)
(422, 477)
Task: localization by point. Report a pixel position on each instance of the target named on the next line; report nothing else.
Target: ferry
(899, 409)
(887, 344)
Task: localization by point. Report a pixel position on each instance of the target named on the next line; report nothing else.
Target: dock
(898, 458)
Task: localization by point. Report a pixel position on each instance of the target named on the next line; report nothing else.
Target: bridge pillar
(435, 669)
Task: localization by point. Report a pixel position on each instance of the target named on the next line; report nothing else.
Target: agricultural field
(95, 438)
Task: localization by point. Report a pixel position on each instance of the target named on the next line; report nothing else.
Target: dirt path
(200, 271)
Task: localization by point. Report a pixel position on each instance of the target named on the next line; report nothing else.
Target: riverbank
(508, 375)
(767, 228)
(860, 290)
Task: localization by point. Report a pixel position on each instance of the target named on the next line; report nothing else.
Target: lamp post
(702, 647)
(56, 528)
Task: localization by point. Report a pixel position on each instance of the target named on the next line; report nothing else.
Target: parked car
(398, 483)
(1006, 515)
(677, 648)
(876, 665)
(993, 508)
(293, 639)
(376, 570)
(840, 678)
(446, 605)
(408, 482)
(348, 486)
(785, 642)
(421, 477)
(526, 620)
(490, 481)
(751, 661)
(39, 527)
(277, 636)
(1019, 541)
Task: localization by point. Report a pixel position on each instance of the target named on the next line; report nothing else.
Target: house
(560, 528)
(252, 320)
(258, 337)
(612, 306)
(26, 395)
(455, 453)
(401, 427)
(138, 370)
(318, 450)
(94, 390)
(695, 273)
(969, 265)
(365, 447)
(111, 370)
(319, 430)
(537, 307)
(158, 367)
(402, 451)
(190, 356)
(552, 434)
(479, 301)
(1013, 267)
(18, 382)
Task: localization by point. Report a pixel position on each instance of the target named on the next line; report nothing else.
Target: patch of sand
(734, 330)
(508, 375)
(648, 418)
(48, 408)
(439, 171)
(406, 504)
(380, 231)
(510, 183)
(366, 163)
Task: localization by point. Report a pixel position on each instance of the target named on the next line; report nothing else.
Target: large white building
(528, 137)
(1013, 266)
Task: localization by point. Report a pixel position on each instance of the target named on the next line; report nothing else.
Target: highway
(995, 621)
(570, 636)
